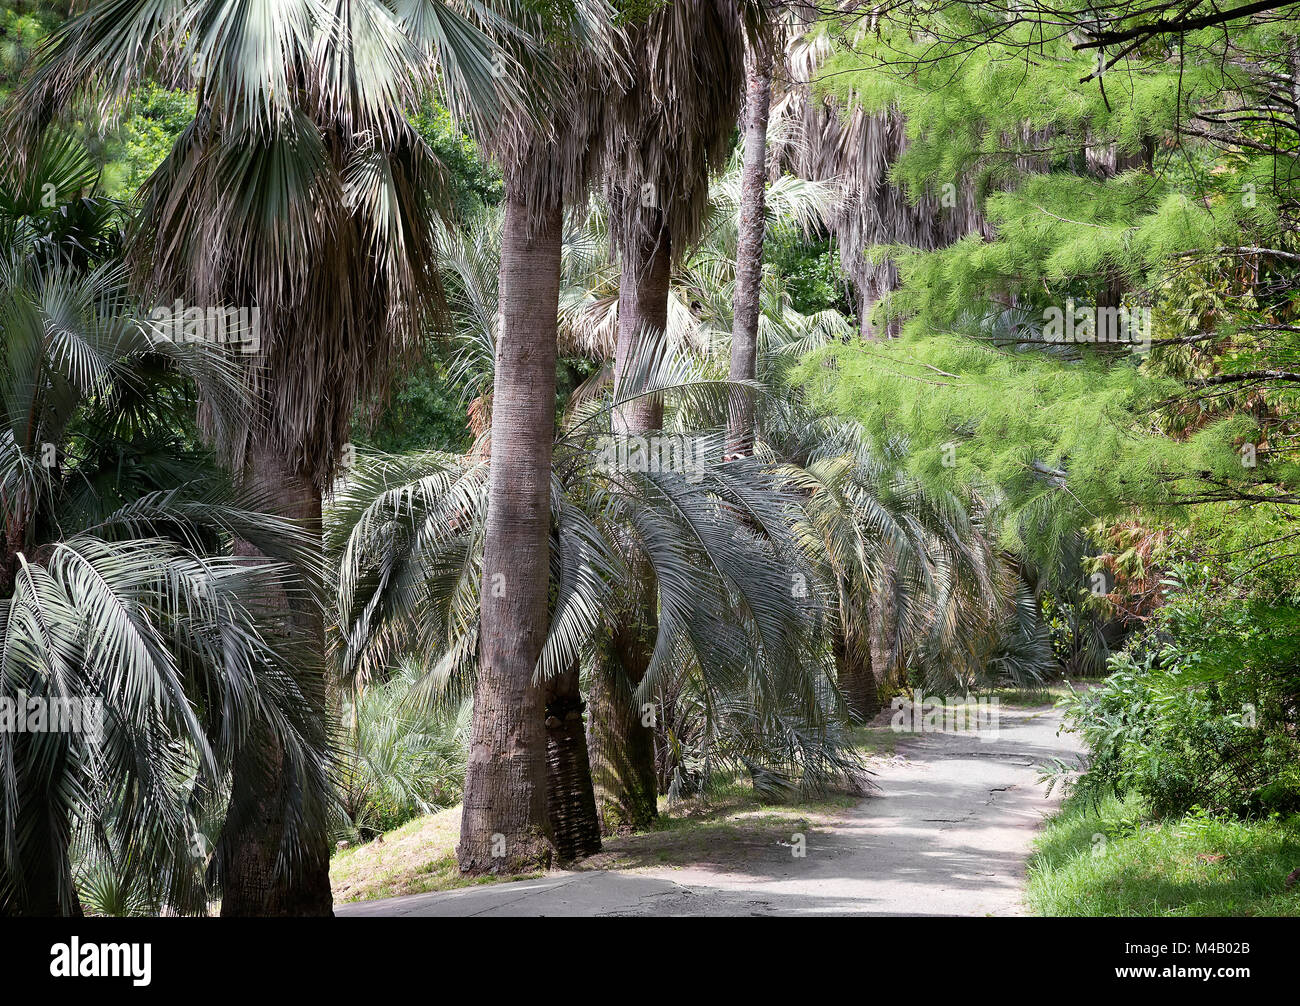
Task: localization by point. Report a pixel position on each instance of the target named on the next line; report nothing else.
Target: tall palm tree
(121, 598)
(505, 788)
(470, 259)
(547, 154)
(300, 190)
(857, 149)
(471, 262)
(670, 131)
(749, 252)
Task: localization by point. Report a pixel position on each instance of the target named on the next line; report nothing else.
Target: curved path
(948, 833)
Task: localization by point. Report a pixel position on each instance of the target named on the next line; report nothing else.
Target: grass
(1108, 861)
(872, 740)
(416, 858)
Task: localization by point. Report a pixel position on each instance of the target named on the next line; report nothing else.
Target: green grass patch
(1109, 861)
(873, 740)
(416, 858)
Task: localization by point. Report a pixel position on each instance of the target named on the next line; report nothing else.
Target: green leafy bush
(1202, 710)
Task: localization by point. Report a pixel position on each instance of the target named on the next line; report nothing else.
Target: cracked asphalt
(948, 833)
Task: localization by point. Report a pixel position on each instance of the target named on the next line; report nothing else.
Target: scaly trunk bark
(866, 331)
(880, 645)
(255, 878)
(853, 671)
(14, 533)
(504, 820)
(749, 252)
(642, 315)
(1144, 158)
(570, 798)
(868, 297)
(622, 746)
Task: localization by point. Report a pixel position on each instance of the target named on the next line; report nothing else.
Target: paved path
(948, 834)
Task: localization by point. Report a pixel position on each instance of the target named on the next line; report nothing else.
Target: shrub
(1201, 711)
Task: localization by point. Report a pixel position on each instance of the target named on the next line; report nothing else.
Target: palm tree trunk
(622, 744)
(880, 639)
(504, 820)
(622, 738)
(15, 528)
(642, 314)
(749, 251)
(853, 671)
(263, 793)
(570, 798)
(869, 294)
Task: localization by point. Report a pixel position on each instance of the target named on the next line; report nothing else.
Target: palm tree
(121, 599)
(857, 149)
(414, 535)
(749, 252)
(505, 789)
(670, 131)
(471, 263)
(299, 190)
(547, 154)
